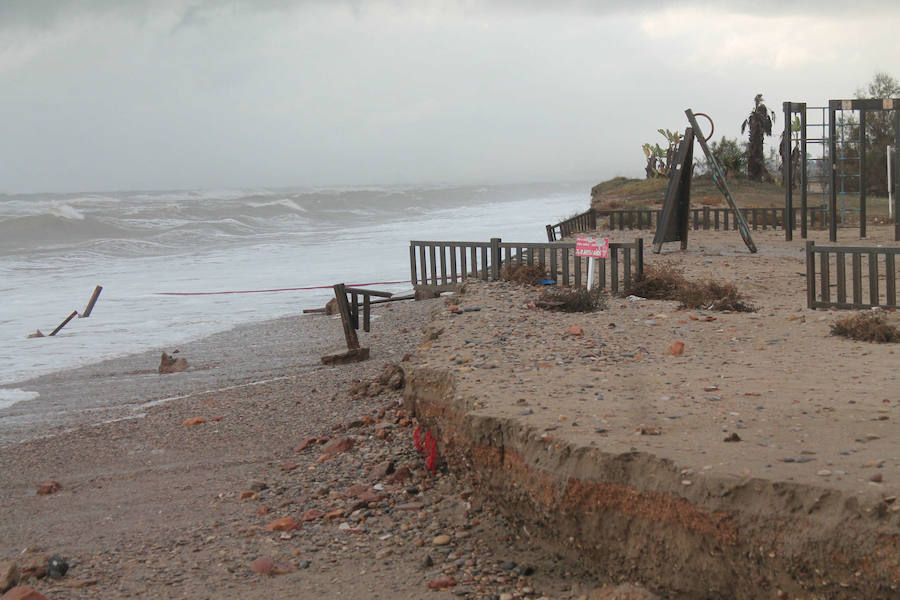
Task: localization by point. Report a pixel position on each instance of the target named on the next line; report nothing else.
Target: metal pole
(887, 156)
(803, 183)
(832, 201)
(896, 173)
(786, 177)
(862, 173)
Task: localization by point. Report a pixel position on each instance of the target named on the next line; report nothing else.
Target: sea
(181, 265)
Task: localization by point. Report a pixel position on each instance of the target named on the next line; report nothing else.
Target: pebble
(441, 540)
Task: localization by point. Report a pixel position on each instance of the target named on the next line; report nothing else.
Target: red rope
(294, 289)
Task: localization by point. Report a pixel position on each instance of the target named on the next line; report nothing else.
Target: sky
(185, 94)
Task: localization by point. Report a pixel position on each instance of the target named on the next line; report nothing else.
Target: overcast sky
(164, 94)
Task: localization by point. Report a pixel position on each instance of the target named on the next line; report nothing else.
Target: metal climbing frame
(831, 160)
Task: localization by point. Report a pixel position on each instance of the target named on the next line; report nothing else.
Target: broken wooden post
(353, 353)
(91, 302)
(63, 324)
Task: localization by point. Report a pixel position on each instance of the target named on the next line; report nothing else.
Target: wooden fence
(701, 218)
(443, 264)
(868, 267)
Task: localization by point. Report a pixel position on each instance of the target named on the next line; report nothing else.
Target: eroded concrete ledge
(630, 516)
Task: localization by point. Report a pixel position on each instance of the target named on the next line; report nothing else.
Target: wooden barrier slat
(453, 274)
(565, 267)
(577, 265)
(890, 283)
(614, 269)
(841, 278)
(413, 276)
(826, 284)
(443, 250)
(873, 279)
(857, 279)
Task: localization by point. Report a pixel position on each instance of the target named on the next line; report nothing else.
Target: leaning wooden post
(340, 293)
(63, 324)
(495, 259)
(91, 302)
(810, 274)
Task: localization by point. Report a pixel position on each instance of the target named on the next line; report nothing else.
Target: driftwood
(84, 315)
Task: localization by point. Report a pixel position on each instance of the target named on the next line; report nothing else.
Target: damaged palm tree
(759, 122)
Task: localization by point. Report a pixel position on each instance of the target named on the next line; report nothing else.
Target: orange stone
(575, 330)
(283, 524)
(676, 349)
(48, 487)
(194, 421)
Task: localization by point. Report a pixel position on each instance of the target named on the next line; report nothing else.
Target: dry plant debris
(573, 299)
(867, 327)
(666, 281)
(524, 274)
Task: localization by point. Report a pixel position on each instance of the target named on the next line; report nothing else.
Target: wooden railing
(868, 266)
(441, 265)
(701, 218)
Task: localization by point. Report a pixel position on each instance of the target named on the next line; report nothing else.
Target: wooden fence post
(495, 259)
(340, 293)
(810, 274)
(639, 242)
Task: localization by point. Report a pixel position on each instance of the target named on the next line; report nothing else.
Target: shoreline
(68, 396)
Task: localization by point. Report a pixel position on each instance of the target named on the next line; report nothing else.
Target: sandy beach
(149, 507)
(316, 473)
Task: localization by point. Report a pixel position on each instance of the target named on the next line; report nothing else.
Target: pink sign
(592, 247)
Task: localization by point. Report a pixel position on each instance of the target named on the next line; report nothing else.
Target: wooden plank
(365, 292)
(454, 275)
(614, 269)
(565, 267)
(873, 278)
(706, 218)
(367, 309)
(553, 274)
(857, 278)
(443, 250)
(696, 214)
(463, 270)
(626, 263)
(423, 264)
(432, 254)
(601, 272)
(485, 274)
(577, 271)
(340, 294)
(890, 276)
(810, 274)
(354, 310)
(91, 302)
(841, 277)
(64, 323)
(413, 276)
(474, 256)
(824, 266)
(717, 218)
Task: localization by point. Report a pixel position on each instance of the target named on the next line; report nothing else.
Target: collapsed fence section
(442, 264)
(864, 267)
(706, 218)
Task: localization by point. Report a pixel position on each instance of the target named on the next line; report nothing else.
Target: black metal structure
(672, 225)
(862, 106)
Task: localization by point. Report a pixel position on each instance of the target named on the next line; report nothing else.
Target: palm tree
(760, 124)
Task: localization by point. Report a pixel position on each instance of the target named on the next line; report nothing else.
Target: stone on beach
(338, 445)
(48, 487)
(675, 349)
(170, 364)
(283, 524)
(23, 592)
(193, 421)
(9, 575)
